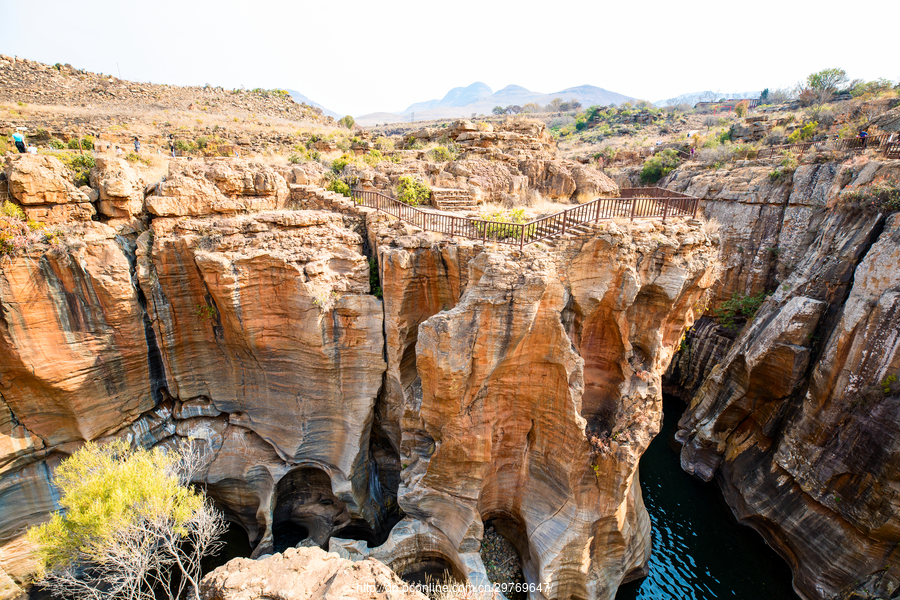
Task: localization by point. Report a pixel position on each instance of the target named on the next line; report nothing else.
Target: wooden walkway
(634, 203)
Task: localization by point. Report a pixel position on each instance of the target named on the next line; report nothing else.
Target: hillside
(63, 102)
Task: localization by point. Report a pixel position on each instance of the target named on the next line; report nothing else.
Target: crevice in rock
(155, 366)
(304, 500)
(384, 483)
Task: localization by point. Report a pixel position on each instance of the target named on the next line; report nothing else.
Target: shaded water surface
(699, 549)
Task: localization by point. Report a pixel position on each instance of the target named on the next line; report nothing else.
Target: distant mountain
(457, 97)
(707, 96)
(301, 99)
(478, 98)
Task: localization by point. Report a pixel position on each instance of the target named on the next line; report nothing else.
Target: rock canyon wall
(518, 386)
(796, 418)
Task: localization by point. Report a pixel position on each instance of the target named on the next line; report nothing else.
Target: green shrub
(185, 146)
(412, 191)
(87, 143)
(503, 223)
(373, 157)
(338, 164)
(374, 280)
(444, 154)
(336, 185)
(659, 165)
(132, 157)
(739, 307)
(79, 164)
(347, 122)
(202, 142)
(803, 133)
(56, 144)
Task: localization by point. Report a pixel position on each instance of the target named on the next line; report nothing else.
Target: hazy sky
(357, 56)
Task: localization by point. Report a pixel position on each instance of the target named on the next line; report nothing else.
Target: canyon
(236, 304)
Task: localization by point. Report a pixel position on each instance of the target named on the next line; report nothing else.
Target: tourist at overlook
(19, 140)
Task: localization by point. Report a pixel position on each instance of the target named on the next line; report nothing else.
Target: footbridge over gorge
(633, 203)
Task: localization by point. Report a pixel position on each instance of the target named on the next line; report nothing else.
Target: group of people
(19, 141)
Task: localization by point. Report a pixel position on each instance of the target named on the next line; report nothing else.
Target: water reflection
(700, 551)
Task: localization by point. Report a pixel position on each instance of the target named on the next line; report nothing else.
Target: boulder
(39, 179)
(304, 574)
(121, 191)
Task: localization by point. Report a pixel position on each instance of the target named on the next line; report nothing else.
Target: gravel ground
(501, 561)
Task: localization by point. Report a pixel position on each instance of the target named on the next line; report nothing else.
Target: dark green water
(699, 549)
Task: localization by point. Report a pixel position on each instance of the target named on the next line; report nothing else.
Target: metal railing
(891, 150)
(857, 143)
(634, 203)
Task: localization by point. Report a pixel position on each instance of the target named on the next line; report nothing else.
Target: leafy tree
(131, 526)
(554, 105)
(347, 121)
(764, 96)
(531, 107)
(514, 109)
(499, 110)
(826, 80)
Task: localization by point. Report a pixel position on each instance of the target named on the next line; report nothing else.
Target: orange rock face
(73, 350)
(496, 419)
(280, 334)
(519, 386)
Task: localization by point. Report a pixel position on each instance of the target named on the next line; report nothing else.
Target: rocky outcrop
(265, 317)
(73, 348)
(220, 186)
(305, 574)
(256, 334)
(43, 186)
(536, 354)
(797, 422)
(121, 190)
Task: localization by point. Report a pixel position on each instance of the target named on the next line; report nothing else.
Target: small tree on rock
(130, 528)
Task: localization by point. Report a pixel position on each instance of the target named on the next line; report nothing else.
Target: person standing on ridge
(137, 145)
(19, 139)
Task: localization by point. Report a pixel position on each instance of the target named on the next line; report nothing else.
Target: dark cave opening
(427, 567)
(305, 505)
(505, 553)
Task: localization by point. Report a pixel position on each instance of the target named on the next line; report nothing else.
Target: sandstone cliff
(797, 421)
(495, 384)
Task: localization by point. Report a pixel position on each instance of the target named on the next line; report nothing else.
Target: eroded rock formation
(490, 383)
(798, 421)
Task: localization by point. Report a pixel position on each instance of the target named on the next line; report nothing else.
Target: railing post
(452, 226)
(484, 232)
(521, 236)
(565, 212)
(666, 209)
(597, 212)
(633, 205)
